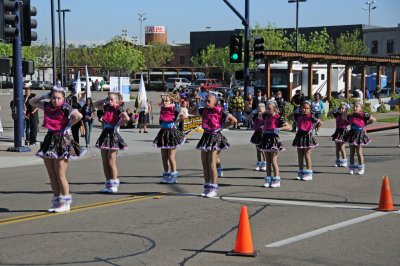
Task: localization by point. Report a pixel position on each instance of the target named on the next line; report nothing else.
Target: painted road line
(298, 203)
(326, 229)
(40, 215)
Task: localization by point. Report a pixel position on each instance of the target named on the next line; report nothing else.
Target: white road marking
(326, 229)
(299, 203)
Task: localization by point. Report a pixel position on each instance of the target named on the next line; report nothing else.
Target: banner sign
(191, 123)
(154, 29)
(122, 86)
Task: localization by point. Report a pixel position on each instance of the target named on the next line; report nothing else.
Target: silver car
(177, 83)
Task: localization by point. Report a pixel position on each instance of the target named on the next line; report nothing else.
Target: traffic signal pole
(18, 94)
(246, 23)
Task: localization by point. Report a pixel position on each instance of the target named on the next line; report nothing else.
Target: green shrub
(288, 110)
(382, 108)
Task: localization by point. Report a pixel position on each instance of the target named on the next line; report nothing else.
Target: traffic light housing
(8, 19)
(28, 23)
(258, 48)
(235, 49)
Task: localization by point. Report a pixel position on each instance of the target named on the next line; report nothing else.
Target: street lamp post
(64, 74)
(370, 7)
(141, 19)
(297, 20)
(60, 39)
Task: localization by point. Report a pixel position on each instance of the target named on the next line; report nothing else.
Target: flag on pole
(142, 94)
(88, 91)
(78, 87)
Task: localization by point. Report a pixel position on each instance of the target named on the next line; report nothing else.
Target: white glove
(67, 130)
(116, 128)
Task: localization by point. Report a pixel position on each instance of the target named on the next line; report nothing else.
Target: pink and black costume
(270, 141)
(57, 144)
(258, 124)
(356, 135)
(304, 138)
(169, 137)
(213, 120)
(110, 139)
(341, 127)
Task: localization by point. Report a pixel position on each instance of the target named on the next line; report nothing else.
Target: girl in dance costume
(305, 141)
(169, 138)
(214, 119)
(270, 143)
(258, 123)
(58, 145)
(110, 141)
(357, 138)
(340, 114)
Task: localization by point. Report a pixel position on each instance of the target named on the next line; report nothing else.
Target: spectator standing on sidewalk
(236, 107)
(31, 115)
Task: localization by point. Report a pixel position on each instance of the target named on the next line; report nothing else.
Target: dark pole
(18, 94)
(246, 46)
(60, 39)
(53, 42)
(297, 26)
(65, 52)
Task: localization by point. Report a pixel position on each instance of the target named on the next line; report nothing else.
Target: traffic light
(235, 49)
(258, 48)
(8, 19)
(28, 23)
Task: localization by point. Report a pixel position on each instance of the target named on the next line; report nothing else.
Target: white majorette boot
(173, 178)
(352, 167)
(361, 169)
(258, 166)
(343, 163)
(220, 171)
(111, 186)
(65, 204)
(300, 175)
(206, 189)
(338, 162)
(56, 203)
(307, 175)
(213, 191)
(268, 181)
(263, 166)
(166, 176)
(276, 182)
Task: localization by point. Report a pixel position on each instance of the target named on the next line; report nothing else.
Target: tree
(316, 42)
(121, 56)
(216, 57)
(156, 55)
(274, 39)
(350, 44)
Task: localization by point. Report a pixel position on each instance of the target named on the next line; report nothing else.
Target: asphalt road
(151, 224)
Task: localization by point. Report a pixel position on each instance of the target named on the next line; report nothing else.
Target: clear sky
(97, 21)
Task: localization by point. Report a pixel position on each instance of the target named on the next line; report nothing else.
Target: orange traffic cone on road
(244, 241)
(385, 201)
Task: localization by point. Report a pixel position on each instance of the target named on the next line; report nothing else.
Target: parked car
(106, 86)
(6, 84)
(208, 84)
(41, 85)
(135, 84)
(177, 83)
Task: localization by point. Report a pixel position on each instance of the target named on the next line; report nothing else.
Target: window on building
(374, 47)
(315, 79)
(322, 76)
(182, 59)
(389, 46)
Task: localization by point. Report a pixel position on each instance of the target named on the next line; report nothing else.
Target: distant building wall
(181, 56)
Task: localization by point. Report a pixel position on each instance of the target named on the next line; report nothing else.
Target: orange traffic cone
(385, 201)
(244, 242)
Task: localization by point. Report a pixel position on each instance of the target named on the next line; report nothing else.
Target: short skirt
(257, 137)
(356, 137)
(169, 138)
(338, 135)
(111, 140)
(213, 142)
(304, 140)
(270, 143)
(57, 145)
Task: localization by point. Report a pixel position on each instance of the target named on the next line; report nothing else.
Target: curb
(383, 127)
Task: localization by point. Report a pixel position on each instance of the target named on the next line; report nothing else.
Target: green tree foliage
(121, 56)
(274, 39)
(350, 44)
(316, 42)
(216, 57)
(5, 50)
(156, 55)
